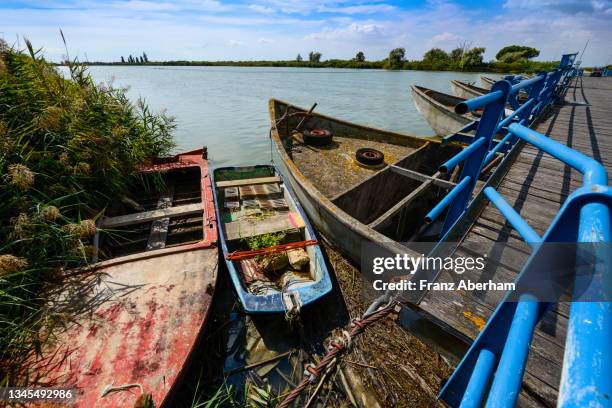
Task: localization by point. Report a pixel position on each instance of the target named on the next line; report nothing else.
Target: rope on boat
(112, 388)
(276, 249)
(314, 373)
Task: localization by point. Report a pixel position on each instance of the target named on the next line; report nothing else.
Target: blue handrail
(542, 88)
(492, 369)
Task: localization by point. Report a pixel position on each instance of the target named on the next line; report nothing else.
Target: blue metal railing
(491, 372)
(542, 90)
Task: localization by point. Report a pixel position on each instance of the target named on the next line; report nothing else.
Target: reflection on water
(226, 108)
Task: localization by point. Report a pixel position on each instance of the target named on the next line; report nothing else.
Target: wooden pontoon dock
(536, 185)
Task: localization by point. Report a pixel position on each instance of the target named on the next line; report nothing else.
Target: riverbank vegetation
(68, 147)
(510, 59)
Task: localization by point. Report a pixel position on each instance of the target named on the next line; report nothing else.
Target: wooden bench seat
(147, 216)
(246, 228)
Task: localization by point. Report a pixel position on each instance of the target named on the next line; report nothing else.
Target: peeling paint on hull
(141, 321)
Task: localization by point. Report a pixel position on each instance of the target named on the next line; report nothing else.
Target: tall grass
(68, 147)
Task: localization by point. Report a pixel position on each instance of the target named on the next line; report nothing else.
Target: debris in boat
(258, 190)
(298, 258)
(273, 263)
(231, 193)
(257, 235)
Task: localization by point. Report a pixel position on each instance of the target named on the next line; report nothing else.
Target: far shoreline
(265, 64)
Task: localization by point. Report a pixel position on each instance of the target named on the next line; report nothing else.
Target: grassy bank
(68, 147)
(523, 66)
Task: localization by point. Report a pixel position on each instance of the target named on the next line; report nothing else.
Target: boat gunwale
(440, 106)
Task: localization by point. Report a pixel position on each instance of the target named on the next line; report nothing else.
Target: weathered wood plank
(248, 228)
(146, 216)
(248, 182)
(159, 228)
(422, 177)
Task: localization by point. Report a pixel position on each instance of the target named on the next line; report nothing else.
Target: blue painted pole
(514, 218)
(447, 200)
(461, 156)
(586, 380)
(524, 84)
(474, 163)
(519, 111)
(509, 374)
(499, 147)
(480, 101)
(479, 381)
(593, 171)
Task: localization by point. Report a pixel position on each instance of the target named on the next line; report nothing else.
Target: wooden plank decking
(536, 185)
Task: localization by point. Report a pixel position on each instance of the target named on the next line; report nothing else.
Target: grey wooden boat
(438, 109)
(467, 90)
(487, 82)
(351, 204)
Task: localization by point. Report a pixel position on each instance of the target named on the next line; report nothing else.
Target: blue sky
(280, 29)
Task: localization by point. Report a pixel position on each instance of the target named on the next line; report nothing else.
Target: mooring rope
(313, 373)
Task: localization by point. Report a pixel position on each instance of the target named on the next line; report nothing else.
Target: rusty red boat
(135, 328)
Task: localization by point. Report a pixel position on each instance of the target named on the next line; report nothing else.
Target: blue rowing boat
(270, 248)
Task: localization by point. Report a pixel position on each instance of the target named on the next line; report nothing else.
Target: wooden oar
(299, 125)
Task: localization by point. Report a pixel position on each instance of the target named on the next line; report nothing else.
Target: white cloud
(236, 43)
(361, 9)
(154, 6)
(258, 8)
(446, 38)
(352, 31)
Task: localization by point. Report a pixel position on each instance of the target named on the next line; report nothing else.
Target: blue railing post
(587, 362)
(472, 167)
(509, 374)
(479, 382)
(551, 95)
(534, 94)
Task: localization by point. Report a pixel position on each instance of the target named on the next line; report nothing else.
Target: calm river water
(226, 108)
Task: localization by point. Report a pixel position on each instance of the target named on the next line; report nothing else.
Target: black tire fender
(371, 157)
(317, 137)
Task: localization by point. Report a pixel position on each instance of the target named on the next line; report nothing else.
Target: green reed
(68, 148)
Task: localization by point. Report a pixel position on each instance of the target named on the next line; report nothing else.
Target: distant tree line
(464, 57)
(137, 60)
(514, 58)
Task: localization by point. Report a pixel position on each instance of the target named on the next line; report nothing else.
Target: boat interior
(392, 198)
(265, 233)
(163, 210)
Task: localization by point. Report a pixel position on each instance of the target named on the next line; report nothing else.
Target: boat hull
(466, 91)
(440, 117)
(138, 317)
(274, 303)
(349, 234)
(487, 82)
